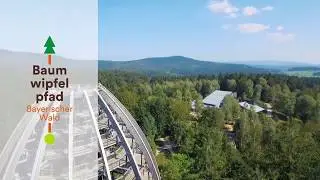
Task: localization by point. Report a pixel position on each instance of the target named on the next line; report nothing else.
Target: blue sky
(221, 30)
(73, 25)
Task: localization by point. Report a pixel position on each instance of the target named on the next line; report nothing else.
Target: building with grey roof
(215, 99)
(248, 106)
(256, 108)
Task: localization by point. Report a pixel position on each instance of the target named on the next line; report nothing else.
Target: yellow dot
(49, 138)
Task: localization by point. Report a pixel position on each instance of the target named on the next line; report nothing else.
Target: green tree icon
(49, 46)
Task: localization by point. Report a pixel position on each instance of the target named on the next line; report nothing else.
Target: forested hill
(310, 68)
(316, 74)
(178, 65)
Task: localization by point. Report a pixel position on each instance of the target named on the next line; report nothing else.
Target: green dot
(49, 138)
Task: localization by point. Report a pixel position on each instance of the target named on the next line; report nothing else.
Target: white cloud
(280, 28)
(267, 8)
(233, 15)
(226, 26)
(252, 27)
(223, 7)
(250, 11)
(281, 37)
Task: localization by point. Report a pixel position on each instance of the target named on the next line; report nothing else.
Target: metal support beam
(121, 135)
(141, 160)
(135, 131)
(70, 148)
(94, 119)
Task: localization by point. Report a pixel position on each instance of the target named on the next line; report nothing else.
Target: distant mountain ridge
(277, 65)
(178, 65)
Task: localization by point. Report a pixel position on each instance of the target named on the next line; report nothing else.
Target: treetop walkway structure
(99, 139)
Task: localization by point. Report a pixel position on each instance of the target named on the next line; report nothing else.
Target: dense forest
(286, 146)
